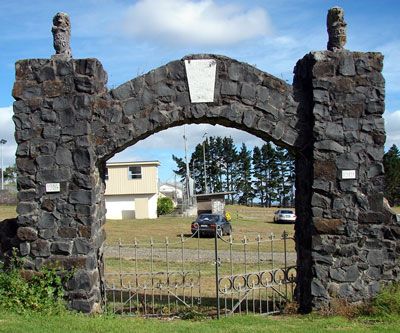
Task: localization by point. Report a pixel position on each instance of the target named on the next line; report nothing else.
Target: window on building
(134, 172)
(106, 174)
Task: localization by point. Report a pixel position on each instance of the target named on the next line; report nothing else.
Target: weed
(22, 290)
(387, 302)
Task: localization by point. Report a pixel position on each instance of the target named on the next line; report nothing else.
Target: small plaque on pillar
(52, 187)
(349, 174)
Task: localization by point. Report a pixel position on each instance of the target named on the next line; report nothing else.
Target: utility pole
(187, 168)
(204, 163)
(2, 142)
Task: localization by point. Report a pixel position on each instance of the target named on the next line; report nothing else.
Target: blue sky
(132, 37)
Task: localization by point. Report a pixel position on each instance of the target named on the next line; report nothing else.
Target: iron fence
(220, 276)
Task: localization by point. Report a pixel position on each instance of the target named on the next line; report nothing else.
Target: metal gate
(213, 276)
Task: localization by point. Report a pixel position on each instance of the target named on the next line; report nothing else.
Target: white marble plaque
(52, 187)
(201, 79)
(348, 174)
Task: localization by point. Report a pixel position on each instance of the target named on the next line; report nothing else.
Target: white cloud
(7, 133)
(392, 125)
(204, 22)
(391, 66)
(160, 146)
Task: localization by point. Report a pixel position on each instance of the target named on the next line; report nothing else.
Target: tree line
(391, 163)
(264, 175)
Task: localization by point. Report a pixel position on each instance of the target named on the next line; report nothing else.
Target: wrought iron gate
(217, 276)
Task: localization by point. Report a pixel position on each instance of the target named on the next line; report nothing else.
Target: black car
(207, 223)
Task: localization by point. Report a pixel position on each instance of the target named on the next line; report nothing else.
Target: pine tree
(285, 164)
(229, 157)
(181, 165)
(270, 166)
(391, 162)
(259, 180)
(243, 183)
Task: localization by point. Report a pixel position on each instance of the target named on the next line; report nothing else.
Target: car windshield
(208, 218)
(285, 212)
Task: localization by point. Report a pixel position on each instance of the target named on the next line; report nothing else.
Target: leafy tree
(391, 162)
(164, 206)
(10, 173)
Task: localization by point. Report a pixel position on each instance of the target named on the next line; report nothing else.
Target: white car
(284, 216)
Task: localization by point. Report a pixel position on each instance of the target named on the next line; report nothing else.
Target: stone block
(45, 162)
(370, 217)
(319, 200)
(325, 169)
(24, 248)
(24, 208)
(67, 232)
(229, 88)
(48, 116)
(61, 247)
(82, 246)
(84, 197)
(318, 289)
(329, 145)
(346, 65)
(27, 195)
(375, 257)
(123, 92)
(27, 234)
(328, 226)
(83, 159)
(40, 248)
(51, 132)
(247, 92)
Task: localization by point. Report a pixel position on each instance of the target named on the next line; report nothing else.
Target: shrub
(164, 206)
(387, 302)
(35, 291)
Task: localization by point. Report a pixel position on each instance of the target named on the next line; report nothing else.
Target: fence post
(217, 228)
(285, 275)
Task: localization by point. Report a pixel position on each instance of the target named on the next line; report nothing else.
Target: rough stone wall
(68, 124)
(244, 98)
(354, 240)
(53, 115)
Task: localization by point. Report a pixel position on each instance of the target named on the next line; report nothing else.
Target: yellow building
(132, 190)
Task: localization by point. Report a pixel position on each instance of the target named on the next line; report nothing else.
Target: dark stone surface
(331, 119)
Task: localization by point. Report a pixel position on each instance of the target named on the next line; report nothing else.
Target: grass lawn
(246, 221)
(7, 211)
(397, 209)
(36, 323)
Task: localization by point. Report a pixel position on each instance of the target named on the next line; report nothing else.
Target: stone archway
(68, 124)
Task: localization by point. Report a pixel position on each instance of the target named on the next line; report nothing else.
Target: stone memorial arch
(68, 124)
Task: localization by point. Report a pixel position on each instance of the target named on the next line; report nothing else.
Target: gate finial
(336, 29)
(61, 36)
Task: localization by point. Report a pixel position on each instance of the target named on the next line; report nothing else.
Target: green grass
(7, 211)
(36, 323)
(397, 209)
(246, 221)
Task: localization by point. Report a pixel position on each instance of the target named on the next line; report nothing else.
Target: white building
(172, 191)
(132, 190)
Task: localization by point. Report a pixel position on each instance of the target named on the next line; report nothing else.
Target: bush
(387, 302)
(35, 291)
(164, 206)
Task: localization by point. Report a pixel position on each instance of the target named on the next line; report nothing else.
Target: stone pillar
(353, 240)
(61, 208)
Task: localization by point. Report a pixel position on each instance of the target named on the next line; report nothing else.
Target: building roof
(136, 163)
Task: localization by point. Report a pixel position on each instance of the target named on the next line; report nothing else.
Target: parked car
(284, 216)
(207, 223)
